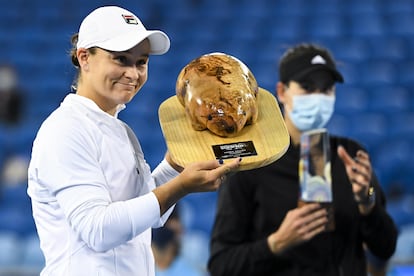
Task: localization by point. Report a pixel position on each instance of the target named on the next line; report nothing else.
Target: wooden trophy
(220, 112)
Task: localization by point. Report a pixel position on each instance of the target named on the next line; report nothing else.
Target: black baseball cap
(309, 60)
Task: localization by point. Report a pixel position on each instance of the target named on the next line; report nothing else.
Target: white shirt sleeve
(71, 174)
(163, 173)
(103, 224)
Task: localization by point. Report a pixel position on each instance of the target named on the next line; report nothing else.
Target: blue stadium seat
(284, 29)
(392, 49)
(389, 99)
(402, 125)
(196, 241)
(401, 23)
(339, 125)
(254, 11)
(366, 24)
(393, 160)
(405, 248)
(14, 195)
(290, 8)
(32, 255)
(378, 73)
(355, 7)
(10, 252)
(350, 100)
(325, 26)
(404, 74)
(350, 49)
(17, 221)
(369, 129)
(265, 73)
(396, 7)
(324, 8)
(350, 73)
(19, 139)
(204, 204)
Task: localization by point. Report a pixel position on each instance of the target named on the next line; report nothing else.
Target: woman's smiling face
(113, 78)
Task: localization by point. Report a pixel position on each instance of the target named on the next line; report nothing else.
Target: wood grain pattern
(186, 145)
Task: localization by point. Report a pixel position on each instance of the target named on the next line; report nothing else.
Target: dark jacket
(252, 205)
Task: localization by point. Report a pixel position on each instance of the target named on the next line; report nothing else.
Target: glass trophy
(315, 172)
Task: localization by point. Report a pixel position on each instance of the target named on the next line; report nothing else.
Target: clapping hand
(359, 171)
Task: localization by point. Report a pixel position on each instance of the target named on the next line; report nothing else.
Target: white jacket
(91, 198)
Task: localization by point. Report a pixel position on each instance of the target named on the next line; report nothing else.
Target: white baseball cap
(115, 29)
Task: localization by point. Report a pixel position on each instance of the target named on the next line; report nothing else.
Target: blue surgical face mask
(311, 111)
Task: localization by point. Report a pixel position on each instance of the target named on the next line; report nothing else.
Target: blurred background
(372, 40)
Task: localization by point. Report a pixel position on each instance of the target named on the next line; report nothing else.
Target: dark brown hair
(74, 58)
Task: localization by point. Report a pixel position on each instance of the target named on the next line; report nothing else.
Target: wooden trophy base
(259, 144)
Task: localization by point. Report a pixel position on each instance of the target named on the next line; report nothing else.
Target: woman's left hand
(359, 171)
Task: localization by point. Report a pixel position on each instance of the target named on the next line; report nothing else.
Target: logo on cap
(130, 19)
(318, 60)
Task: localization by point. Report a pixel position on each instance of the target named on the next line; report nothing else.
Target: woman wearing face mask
(259, 228)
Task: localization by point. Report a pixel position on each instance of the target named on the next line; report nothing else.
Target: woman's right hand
(206, 175)
(299, 225)
(203, 176)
